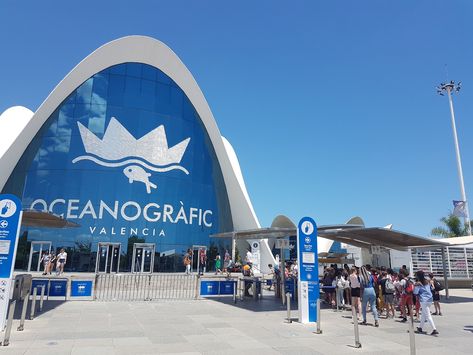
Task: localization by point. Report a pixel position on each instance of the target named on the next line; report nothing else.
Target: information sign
(58, 288)
(81, 288)
(308, 270)
(10, 222)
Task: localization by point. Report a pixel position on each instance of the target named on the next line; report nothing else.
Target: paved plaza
(218, 326)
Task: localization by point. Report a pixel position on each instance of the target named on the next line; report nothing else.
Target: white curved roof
(12, 123)
(139, 49)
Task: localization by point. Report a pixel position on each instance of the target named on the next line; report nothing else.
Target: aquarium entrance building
(127, 152)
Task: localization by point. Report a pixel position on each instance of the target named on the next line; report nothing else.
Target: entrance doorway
(108, 258)
(195, 257)
(36, 251)
(143, 258)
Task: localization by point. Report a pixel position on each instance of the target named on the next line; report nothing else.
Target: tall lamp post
(451, 88)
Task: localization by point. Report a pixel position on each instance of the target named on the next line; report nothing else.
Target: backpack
(438, 286)
(389, 286)
(409, 287)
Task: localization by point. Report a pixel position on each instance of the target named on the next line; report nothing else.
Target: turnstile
(108, 258)
(196, 250)
(142, 261)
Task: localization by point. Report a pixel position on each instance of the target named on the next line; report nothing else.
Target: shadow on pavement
(456, 299)
(47, 306)
(269, 303)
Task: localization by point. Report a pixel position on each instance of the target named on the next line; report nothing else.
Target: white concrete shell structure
(144, 50)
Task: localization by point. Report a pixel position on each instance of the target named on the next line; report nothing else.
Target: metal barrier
(288, 302)
(137, 287)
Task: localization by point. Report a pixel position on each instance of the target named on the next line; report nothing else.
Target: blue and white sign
(10, 220)
(81, 288)
(308, 270)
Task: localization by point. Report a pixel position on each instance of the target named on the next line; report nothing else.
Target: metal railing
(139, 287)
(459, 261)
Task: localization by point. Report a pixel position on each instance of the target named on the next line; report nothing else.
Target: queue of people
(382, 291)
(51, 262)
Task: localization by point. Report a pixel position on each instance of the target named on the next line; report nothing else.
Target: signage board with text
(10, 221)
(308, 270)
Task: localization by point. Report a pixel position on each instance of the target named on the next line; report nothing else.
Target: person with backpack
(369, 295)
(424, 294)
(388, 289)
(437, 287)
(407, 289)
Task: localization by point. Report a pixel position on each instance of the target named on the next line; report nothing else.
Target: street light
(451, 88)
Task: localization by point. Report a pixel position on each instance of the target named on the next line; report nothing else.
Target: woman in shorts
(355, 290)
(61, 261)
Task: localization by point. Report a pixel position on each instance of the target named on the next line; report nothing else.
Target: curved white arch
(149, 51)
(12, 122)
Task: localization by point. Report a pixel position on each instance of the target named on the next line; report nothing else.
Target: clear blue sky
(330, 105)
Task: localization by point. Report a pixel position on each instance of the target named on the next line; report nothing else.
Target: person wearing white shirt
(61, 261)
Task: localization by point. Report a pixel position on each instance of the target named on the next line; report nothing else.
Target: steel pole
(11, 312)
(459, 163)
(355, 323)
(445, 277)
(288, 303)
(26, 300)
(412, 341)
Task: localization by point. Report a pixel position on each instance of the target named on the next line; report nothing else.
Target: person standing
(388, 289)
(407, 287)
(355, 288)
(52, 262)
(437, 287)
(187, 262)
(423, 292)
(218, 264)
(369, 295)
(45, 259)
(202, 260)
(61, 261)
(226, 260)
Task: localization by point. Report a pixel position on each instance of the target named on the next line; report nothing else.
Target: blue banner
(308, 269)
(82, 288)
(10, 214)
(209, 288)
(10, 221)
(58, 288)
(38, 283)
(227, 287)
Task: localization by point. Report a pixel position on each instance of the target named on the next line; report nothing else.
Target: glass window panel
(85, 173)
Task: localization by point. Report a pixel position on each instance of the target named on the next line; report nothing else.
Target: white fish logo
(118, 147)
(137, 173)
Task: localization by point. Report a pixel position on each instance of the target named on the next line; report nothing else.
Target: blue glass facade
(127, 158)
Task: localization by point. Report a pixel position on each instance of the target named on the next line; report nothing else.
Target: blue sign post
(10, 221)
(308, 270)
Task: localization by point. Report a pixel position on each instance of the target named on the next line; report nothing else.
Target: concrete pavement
(218, 326)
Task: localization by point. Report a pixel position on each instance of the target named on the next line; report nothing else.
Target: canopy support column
(445, 277)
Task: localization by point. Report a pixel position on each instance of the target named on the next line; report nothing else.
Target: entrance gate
(195, 258)
(143, 258)
(36, 251)
(108, 258)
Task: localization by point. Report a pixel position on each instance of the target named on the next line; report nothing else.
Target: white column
(459, 164)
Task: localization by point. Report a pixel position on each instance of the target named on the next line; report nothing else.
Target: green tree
(452, 227)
